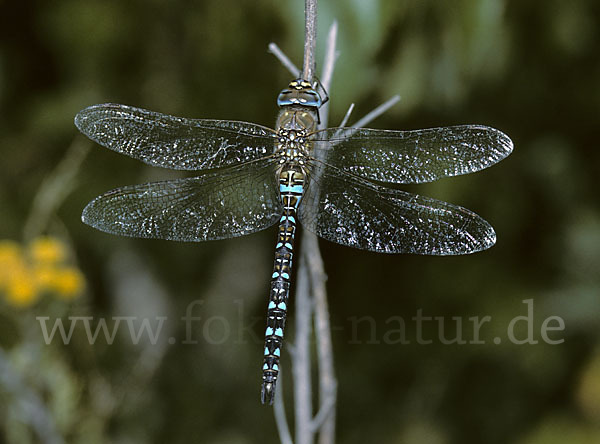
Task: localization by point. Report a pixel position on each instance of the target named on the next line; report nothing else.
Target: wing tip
(478, 236)
(487, 238)
(506, 143)
(80, 118)
(88, 113)
(503, 143)
(94, 217)
(87, 215)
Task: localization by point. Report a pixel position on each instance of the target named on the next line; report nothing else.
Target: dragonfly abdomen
(291, 188)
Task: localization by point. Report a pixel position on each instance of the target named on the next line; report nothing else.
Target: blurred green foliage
(529, 68)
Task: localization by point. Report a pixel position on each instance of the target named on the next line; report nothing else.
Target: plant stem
(310, 39)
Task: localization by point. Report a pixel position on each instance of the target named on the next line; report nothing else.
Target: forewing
(233, 202)
(412, 156)
(354, 212)
(174, 142)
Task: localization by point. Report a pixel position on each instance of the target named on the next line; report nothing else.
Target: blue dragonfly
(338, 183)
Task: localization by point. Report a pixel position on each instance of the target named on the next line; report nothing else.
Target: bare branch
(326, 410)
(280, 419)
(347, 116)
(376, 112)
(310, 39)
(327, 74)
(302, 363)
(331, 56)
(56, 187)
(327, 381)
(325, 421)
(285, 61)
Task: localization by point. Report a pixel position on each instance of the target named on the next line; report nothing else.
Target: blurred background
(529, 68)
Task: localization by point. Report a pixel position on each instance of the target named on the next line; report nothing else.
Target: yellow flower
(24, 277)
(11, 257)
(21, 290)
(68, 282)
(47, 250)
(44, 276)
(9, 250)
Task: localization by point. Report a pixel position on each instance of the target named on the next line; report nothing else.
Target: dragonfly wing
(232, 202)
(412, 156)
(354, 212)
(174, 142)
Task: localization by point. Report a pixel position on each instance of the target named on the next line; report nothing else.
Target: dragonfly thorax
(292, 146)
(297, 118)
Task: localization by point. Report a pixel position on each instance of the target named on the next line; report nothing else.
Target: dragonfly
(339, 183)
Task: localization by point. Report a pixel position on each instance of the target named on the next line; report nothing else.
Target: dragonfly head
(300, 92)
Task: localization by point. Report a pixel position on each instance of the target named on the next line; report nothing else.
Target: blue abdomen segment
(291, 188)
(296, 189)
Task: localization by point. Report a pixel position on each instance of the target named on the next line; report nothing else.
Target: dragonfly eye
(300, 92)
